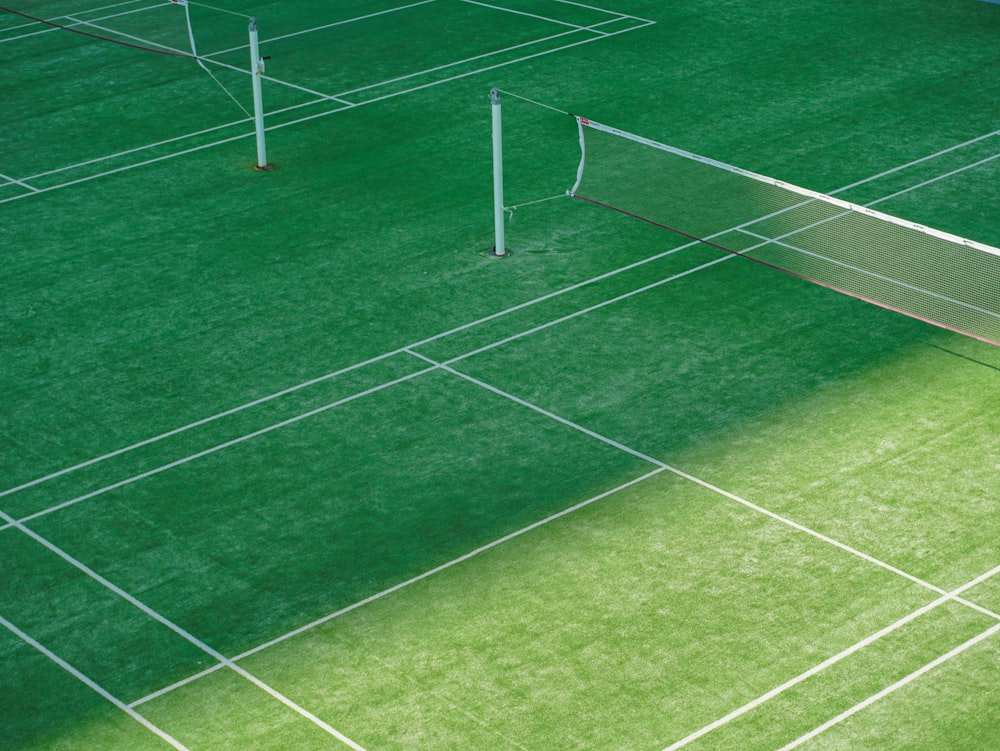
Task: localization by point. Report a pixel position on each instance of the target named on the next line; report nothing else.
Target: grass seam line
(91, 684)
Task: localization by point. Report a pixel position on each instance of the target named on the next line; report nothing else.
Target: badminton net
(943, 279)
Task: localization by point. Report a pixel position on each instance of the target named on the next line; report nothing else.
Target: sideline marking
(763, 698)
(93, 685)
(183, 633)
(894, 687)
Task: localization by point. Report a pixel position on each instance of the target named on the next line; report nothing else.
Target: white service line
(138, 40)
(52, 29)
(93, 685)
(535, 16)
(321, 97)
(615, 13)
(464, 61)
(705, 484)
(324, 27)
(184, 634)
(863, 272)
(227, 444)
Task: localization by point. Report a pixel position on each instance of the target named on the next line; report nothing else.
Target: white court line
(736, 713)
(603, 10)
(535, 16)
(14, 181)
(915, 162)
(467, 74)
(660, 467)
(933, 180)
(324, 27)
(423, 342)
(184, 634)
(320, 98)
(93, 685)
(228, 444)
(894, 687)
(946, 596)
(139, 40)
(463, 61)
(705, 484)
(864, 272)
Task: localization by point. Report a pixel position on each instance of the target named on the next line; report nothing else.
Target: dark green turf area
(235, 403)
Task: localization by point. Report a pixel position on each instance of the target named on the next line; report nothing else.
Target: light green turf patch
(953, 706)
(920, 493)
(626, 625)
(987, 594)
(799, 709)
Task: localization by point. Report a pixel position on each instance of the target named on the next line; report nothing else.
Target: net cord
(815, 195)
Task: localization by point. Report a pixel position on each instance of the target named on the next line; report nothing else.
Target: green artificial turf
(286, 455)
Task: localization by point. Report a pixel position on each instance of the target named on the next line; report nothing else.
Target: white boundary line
(321, 98)
(894, 687)
(946, 596)
(76, 22)
(227, 444)
(661, 466)
(93, 685)
(184, 634)
(708, 486)
(725, 720)
(866, 272)
(14, 181)
(324, 27)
